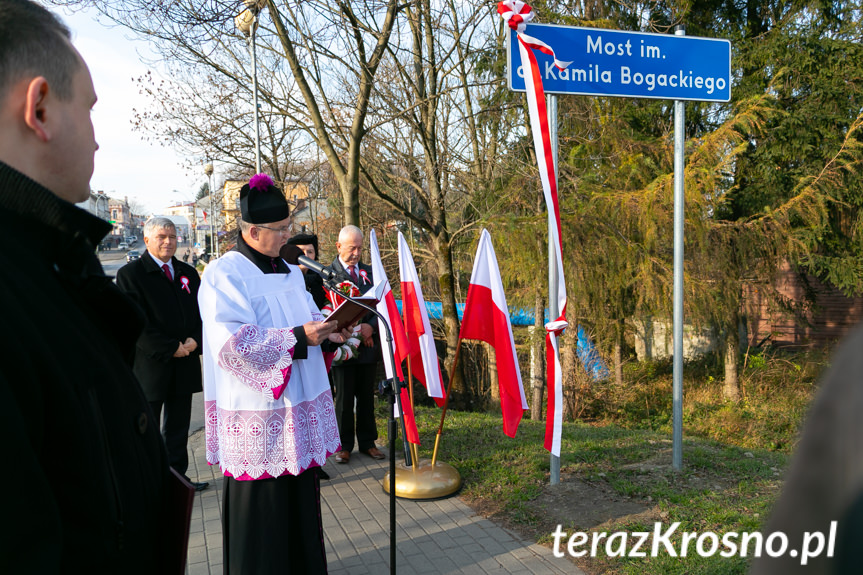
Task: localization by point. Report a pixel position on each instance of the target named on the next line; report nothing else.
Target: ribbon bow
(185, 284)
(517, 14)
(365, 277)
(556, 327)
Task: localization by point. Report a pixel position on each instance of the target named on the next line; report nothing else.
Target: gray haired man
(167, 358)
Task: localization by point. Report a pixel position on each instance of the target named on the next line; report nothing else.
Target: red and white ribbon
(185, 284)
(365, 277)
(517, 14)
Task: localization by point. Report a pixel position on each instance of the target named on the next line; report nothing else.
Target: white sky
(126, 166)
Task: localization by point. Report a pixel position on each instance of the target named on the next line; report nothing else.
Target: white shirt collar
(160, 263)
(347, 266)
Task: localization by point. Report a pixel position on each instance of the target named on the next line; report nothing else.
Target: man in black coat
(355, 378)
(85, 482)
(167, 359)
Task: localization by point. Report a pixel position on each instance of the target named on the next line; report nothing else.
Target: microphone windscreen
(290, 253)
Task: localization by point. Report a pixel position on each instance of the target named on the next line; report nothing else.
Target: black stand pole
(391, 387)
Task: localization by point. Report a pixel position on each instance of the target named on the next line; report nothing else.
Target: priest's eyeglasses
(284, 230)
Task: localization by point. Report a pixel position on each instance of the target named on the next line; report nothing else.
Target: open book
(348, 313)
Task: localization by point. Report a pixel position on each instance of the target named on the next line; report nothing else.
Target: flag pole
(446, 401)
(414, 449)
(411, 446)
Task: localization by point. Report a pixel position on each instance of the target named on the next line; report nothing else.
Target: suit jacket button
(142, 423)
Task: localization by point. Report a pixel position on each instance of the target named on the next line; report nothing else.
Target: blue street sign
(630, 64)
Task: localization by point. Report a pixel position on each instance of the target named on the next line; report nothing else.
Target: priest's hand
(340, 336)
(181, 351)
(318, 331)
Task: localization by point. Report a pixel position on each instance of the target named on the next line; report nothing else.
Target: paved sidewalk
(433, 537)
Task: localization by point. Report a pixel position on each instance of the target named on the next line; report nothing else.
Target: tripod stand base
(424, 481)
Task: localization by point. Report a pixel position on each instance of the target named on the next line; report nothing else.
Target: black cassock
(286, 518)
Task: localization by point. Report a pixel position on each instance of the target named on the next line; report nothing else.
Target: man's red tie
(353, 273)
(167, 271)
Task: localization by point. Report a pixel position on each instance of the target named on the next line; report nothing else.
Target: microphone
(294, 255)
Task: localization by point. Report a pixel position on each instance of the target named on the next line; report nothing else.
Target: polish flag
(401, 346)
(423, 358)
(486, 318)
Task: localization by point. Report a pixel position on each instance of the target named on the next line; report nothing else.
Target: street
(113, 260)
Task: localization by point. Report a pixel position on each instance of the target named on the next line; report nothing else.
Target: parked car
(132, 255)
(123, 246)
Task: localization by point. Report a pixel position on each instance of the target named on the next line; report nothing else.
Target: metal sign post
(677, 368)
(554, 312)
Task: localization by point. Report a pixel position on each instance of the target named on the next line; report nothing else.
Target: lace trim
(261, 358)
(274, 442)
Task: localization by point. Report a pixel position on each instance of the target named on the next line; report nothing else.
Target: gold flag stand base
(425, 481)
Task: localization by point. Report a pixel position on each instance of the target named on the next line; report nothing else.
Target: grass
(733, 458)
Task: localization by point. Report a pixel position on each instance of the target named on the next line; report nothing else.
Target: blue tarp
(586, 351)
(589, 357)
(516, 316)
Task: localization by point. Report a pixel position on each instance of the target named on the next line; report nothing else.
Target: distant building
(231, 203)
(97, 204)
(192, 215)
(120, 215)
(812, 313)
(308, 205)
(183, 225)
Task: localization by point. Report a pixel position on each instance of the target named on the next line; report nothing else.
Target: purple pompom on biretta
(261, 202)
(261, 182)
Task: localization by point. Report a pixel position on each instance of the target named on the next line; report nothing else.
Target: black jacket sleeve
(152, 341)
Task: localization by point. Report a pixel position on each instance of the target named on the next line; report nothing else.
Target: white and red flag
(423, 359)
(516, 14)
(401, 346)
(486, 318)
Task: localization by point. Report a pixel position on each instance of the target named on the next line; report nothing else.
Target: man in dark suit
(167, 356)
(355, 378)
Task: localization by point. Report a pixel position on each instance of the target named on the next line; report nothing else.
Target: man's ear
(35, 107)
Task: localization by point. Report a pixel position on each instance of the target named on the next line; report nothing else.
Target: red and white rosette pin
(184, 284)
(365, 277)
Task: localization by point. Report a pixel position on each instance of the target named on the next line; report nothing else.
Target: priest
(269, 410)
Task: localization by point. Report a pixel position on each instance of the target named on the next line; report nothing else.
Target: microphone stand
(392, 388)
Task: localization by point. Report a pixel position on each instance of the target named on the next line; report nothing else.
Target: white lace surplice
(266, 414)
